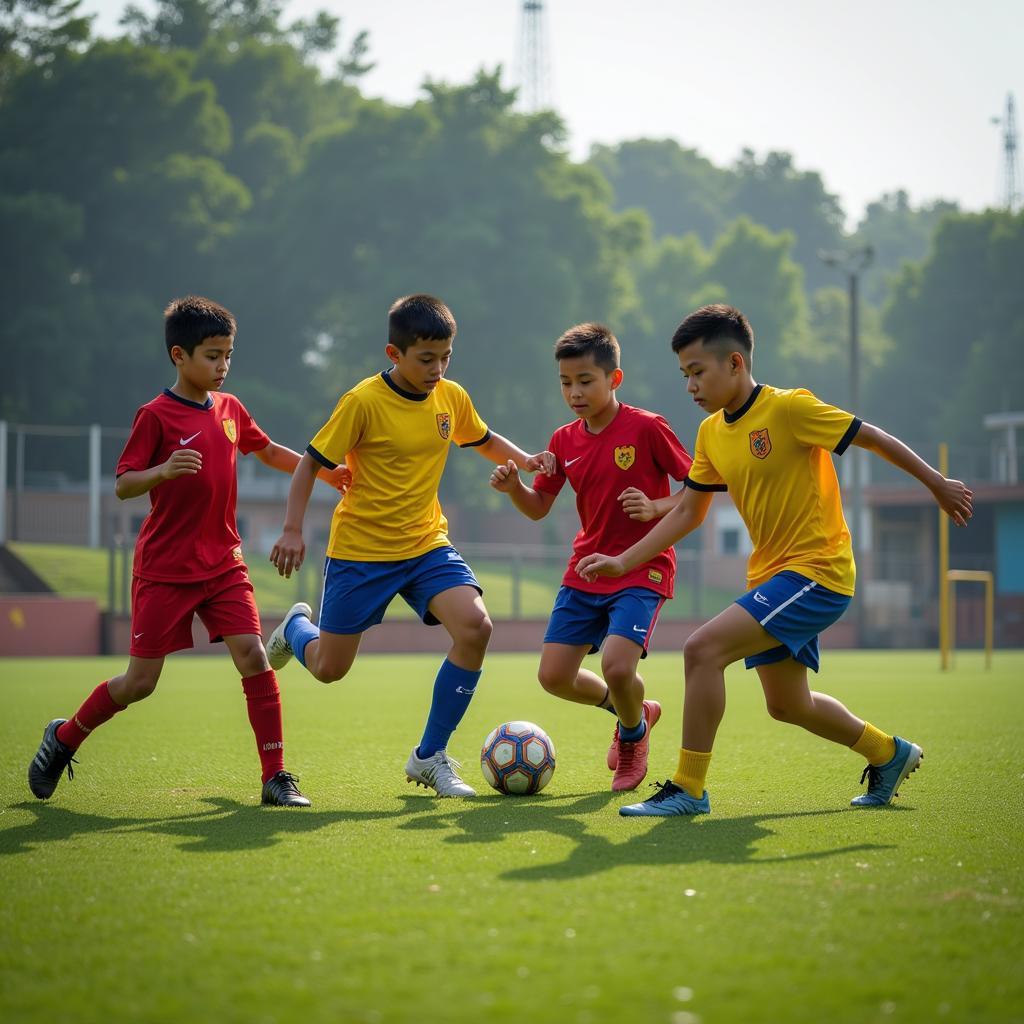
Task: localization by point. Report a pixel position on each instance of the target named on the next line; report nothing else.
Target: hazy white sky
(876, 95)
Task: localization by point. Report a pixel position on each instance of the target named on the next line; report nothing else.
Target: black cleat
(282, 790)
(48, 765)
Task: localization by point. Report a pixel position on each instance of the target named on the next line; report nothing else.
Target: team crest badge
(444, 425)
(760, 444)
(625, 456)
(230, 430)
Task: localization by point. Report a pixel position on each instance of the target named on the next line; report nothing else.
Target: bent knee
(792, 713)
(553, 682)
(329, 673)
(618, 673)
(476, 634)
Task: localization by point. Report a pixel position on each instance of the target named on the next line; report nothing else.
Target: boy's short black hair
(590, 340)
(419, 318)
(717, 326)
(190, 321)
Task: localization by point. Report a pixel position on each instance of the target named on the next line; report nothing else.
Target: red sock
(263, 701)
(99, 707)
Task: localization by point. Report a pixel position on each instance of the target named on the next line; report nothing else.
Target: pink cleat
(613, 750)
(631, 766)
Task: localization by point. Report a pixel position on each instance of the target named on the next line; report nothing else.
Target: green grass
(153, 888)
(74, 571)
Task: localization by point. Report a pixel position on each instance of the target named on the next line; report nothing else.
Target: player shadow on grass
(671, 841)
(226, 826)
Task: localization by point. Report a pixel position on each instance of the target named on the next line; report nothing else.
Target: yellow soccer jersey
(396, 444)
(773, 456)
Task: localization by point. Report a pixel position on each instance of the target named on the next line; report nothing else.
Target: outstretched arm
(278, 457)
(952, 496)
(501, 450)
(683, 518)
(533, 504)
(287, 554)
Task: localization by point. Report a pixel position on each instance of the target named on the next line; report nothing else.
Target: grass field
(153, 888)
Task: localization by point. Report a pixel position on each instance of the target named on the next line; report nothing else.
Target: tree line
(217, 148)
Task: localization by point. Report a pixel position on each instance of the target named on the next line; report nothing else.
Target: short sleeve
(468, 430)
(556, 481)
(143, 443)
(250, 437)
(341, 433)
(703, 476)
(816, 424)
(670, 455)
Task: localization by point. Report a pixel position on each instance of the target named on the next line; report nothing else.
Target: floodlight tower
(1011, 193)
(533, 76)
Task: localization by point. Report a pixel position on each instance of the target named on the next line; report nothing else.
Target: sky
(875, 95)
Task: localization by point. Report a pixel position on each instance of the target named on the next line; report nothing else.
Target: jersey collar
(386, 374)
(208, 404)
(734, 416)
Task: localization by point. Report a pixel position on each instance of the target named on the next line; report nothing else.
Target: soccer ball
(518, 757)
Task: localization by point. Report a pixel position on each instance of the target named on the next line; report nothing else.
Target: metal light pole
(853, 263)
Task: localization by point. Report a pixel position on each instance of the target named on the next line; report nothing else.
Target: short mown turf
(154, 888)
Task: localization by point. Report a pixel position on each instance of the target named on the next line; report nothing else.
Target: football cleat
(279, 651)
(613, 750)
(884, 779)
(282, 790)
(669, 801)
(438, 772)
(631, 763)
(48, 765)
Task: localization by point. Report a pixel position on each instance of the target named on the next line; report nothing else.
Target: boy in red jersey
(618, 460)
(188, 558)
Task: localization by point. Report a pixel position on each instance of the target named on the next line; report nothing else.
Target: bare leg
(619, 661)
(330, 656)
(138, 681)
(731, 635)
(561, 675)
(462, 612)
(790, 700)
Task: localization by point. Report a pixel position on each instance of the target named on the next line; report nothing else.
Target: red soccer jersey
(637, 449)
(190, 532)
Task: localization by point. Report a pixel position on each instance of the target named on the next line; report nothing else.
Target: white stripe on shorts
(785, 604)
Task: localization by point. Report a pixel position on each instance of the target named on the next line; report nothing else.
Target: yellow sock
(878, 747)
(693, 769)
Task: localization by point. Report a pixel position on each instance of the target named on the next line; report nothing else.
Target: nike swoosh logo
(760, 598)
(185, 440)
(469, 693)
(137, 635)
(569, 462)
(637, 629)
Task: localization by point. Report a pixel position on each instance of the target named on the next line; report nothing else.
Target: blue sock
(633, 735)
(298, 634)
(453, 690)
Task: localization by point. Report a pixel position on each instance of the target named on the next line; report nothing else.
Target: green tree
(957, 324)
(899, 234)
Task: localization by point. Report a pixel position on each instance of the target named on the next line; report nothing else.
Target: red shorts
(162, 612)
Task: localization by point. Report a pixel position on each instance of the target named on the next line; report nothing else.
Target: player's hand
(289, 551)
(340, 478)
(505, 478)
(956, 499)
(637, 505)
(183, 462)
(544, 462)
(592, 566)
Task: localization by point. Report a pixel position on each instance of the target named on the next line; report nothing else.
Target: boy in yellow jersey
(389, 535)
(771, 450)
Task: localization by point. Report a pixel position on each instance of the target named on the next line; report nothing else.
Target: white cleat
(279, 651)
(438, 772)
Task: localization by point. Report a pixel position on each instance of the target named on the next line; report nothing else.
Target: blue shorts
(357, 594)
(580, 617)
(794, 609)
